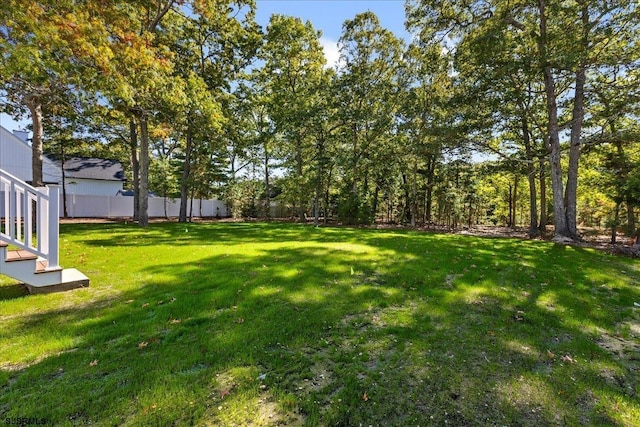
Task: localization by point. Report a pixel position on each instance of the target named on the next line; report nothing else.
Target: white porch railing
(23, 206)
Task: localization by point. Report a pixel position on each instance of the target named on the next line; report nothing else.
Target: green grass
(280, 324)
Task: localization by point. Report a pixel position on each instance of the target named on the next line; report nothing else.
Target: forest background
(517, 113)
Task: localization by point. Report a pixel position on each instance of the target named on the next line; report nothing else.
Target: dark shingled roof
(92, 168)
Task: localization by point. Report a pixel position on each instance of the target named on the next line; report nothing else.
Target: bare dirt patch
(625, 347)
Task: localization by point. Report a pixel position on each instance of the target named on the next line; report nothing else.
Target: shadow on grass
(383, 328)
(12, 291)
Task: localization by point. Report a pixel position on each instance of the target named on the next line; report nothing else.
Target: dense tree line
(511, 113)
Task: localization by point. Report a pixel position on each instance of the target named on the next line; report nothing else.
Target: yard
(282, 324)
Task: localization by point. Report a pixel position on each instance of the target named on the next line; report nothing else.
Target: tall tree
(292, 75)
(211, 50)
(571, 40)
(51, 52)
(368, 86)
(426, 119)
(152, 77)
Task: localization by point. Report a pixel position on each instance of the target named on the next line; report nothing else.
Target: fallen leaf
(143, 344)
(567, 358)
(93, 362)
(146, 304)
(227, 391)
(128, 301)
(550, 355)
(365, 396)
(173, 299)
(174, 321)
(240, 320)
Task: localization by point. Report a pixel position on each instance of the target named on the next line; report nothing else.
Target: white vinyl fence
(82, 206)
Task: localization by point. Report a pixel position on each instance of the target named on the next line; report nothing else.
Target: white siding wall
(92, 187)
(15, 155)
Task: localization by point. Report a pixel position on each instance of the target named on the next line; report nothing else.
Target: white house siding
(92, 187)
(15, 155)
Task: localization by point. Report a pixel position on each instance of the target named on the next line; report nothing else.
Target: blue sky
(325, 15)
(329, 15)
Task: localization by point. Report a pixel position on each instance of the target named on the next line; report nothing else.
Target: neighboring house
(131, 193)
(83, 176)
(95, 177)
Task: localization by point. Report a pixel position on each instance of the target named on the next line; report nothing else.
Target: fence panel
(83, 206)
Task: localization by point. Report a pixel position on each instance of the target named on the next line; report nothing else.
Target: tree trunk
(531, 171)
(414, 195)
(542, 225)
(470, 216)
(164, 204)
(631, 218)
(559, 213)
(509, 223)
(65, 213)
(407, 200)
(319, 180)
(614, 225)
(431, 167)
(135, 165)
(354, 169)
(374, 204)
(267, 184)
(514, 204)
(300, 189)
(576, 132)
(143, 207)
(191, 207)
(326, 195)
(571, 190)
(186, 173)
(553, 129)
(35, 108)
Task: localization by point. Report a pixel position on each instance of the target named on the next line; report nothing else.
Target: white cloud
(331, 52)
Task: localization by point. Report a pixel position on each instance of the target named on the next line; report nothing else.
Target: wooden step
(19, 256)
(3, 244)
(41, 267)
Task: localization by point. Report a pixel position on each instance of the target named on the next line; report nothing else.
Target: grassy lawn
(280, 324)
